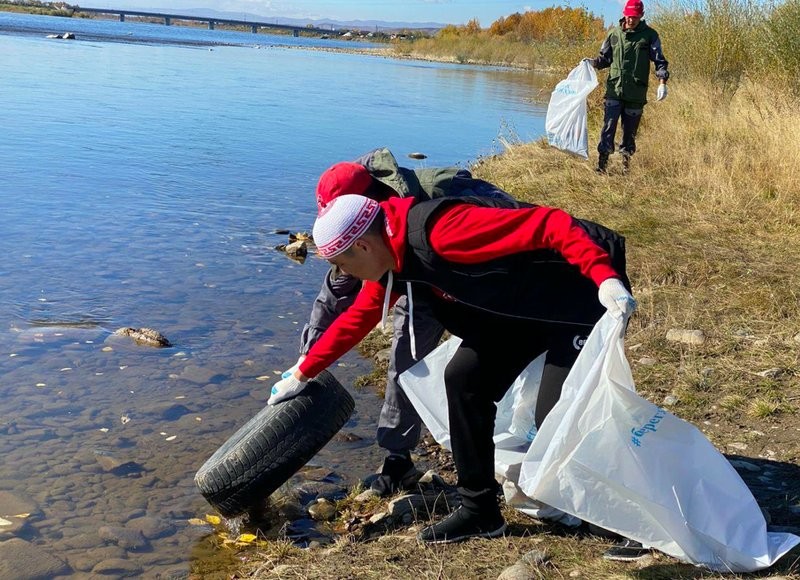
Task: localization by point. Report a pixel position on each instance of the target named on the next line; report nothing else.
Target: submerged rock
(144, 336)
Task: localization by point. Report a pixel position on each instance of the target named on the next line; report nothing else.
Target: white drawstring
(389, 285)
(386, 297)
(411, 322)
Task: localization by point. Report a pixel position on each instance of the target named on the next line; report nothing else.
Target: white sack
(566, 119)
(423, 383)
(610, 457)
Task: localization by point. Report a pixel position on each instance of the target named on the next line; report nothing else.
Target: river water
(143, 171)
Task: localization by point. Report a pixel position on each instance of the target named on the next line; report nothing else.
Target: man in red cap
(627, 52)
(512, 280)
(378, 176)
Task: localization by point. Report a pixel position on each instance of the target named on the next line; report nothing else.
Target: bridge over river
(169, 18)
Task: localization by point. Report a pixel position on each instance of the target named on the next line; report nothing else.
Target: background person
(627, 52)
(377, 175)
(512, 280)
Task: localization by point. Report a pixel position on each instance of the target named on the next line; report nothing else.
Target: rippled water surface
(140, 185)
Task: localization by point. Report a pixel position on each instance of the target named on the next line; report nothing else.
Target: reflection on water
(140, 185)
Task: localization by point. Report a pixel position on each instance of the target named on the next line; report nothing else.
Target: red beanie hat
(342, 179)
(633, 8)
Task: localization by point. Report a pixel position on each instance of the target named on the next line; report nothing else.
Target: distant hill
(367, 25)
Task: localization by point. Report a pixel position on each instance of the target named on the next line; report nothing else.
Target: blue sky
(444, 11)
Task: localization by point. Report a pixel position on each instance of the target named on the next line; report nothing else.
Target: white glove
(661, 93)
(616, 298)
(287, 387)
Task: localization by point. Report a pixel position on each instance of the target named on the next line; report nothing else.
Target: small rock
(686, 336)
(382, 356)
(21, 559)
(379, 517)
(575, 574)
(433, 478)
(123, 537)
(322, 511)
(519, 571)
(365, 496)
(647, 361)
(796, 338)
(144, 336)
(670, 400)
(407, 504)
(535, 558)
(152, 528)
(298, 249)
(117, 567)
(739, 446)
(343, 437)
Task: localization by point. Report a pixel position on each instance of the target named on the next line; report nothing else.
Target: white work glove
(286, 388)
(616, 298)
(661, 93)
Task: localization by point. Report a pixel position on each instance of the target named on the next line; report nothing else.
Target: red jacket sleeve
(347, 330)
(469, 234)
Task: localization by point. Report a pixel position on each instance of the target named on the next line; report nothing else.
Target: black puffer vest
(536, 285)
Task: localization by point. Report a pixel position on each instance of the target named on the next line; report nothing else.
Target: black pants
(493, 352)
(631, 114)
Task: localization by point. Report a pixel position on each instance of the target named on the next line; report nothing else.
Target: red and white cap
(342, 222)
(342, 178)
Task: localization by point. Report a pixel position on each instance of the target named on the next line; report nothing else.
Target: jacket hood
(396, 226)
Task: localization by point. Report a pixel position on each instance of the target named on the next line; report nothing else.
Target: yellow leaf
(246, 538)
(213, 520)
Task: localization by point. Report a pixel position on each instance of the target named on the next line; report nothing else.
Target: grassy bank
(711, 212)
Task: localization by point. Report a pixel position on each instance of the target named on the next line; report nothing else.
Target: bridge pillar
(295, 33)
(121, 17)
(211, 25)
(254, 29)
(167, 21)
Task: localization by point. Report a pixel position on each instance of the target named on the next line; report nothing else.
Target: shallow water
(140, 184)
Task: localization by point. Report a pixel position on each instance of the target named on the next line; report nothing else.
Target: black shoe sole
(629, 557)
(494, 534)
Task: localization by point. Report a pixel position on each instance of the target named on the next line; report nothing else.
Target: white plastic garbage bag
(610, 457)
(565, 122)
(514, 423)
(515, 420)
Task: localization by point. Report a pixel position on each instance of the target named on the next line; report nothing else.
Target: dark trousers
(494, 351)
(631, 114)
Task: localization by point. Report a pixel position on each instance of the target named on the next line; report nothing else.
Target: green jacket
(627, 54)
(421, 183)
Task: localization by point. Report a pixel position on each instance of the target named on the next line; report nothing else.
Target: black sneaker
(602, 163)
(626, 551)
(397, 474)
(463, 524)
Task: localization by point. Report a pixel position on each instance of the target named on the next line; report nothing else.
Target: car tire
(273, 446)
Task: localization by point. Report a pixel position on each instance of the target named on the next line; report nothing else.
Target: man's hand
(289, 386)
(661, 93)
(589, 60)
(616, 298)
